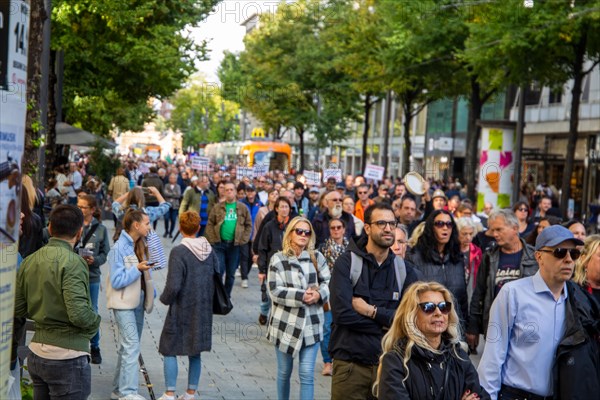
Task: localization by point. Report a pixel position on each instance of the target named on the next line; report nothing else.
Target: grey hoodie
(198, 246)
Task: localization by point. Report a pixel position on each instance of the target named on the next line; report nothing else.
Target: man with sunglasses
(333, 202)
(536, 325)
(363, 312)
(509, 260)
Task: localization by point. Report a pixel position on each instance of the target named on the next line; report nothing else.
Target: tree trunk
(473, 132)
(406, 151)
(300, 132)
(52, 118)
(579, 50)
(34, 74)
(368, 105)
(386, 131)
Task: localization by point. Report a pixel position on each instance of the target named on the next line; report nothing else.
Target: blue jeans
(170, 370)
(265, 300)
(326, 335)
(94, 293)
(229, 259)
(60, 379)
(306, 372)
(171, 216)
(130, 324)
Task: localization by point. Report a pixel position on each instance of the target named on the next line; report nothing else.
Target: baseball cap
(314, 189)
(250, 188)
(555, 235)
(439, 193)
(340, 185)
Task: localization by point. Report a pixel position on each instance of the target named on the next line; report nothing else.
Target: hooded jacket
(189, 294)
(576, 369)
(444, 271)
(354, 337)
(427, 374)
(483, 295)
(99, 244)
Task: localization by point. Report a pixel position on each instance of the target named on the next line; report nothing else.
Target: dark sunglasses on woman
(429, 307)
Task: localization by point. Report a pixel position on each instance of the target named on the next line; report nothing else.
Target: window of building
(555, 96)
(533, 94)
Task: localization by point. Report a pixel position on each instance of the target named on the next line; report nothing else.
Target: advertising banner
(14, 26)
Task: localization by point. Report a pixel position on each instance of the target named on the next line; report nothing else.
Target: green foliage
(118, 55)
(203, 115)
(103, 165)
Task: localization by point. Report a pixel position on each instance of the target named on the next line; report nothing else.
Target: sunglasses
(336, 227)
(522, 209)
(363, 192)
(336, 200)
(429, 307)
(441, 224)
(561, 253)
(303, 232)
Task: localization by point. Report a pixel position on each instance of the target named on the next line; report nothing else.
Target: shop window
(555, 96)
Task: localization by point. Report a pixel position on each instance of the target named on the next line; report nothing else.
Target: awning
(69, 135)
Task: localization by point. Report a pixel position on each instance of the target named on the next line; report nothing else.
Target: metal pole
(45, 61)
(519, 144)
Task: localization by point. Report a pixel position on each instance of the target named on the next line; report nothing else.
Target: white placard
(240, 172)
(374, 172)
(260, 170)
(144, 168)
(200, 163)
(332, 173)
(312, 177)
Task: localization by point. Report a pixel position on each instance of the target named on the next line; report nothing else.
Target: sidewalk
(242, 362)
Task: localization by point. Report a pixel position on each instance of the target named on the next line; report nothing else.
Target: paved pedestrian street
(242, 362)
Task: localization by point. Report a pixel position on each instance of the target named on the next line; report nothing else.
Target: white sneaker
(238, 273)
(245, 283)
(165, 397)
(115, 396)
(187, 396)
(133, 396)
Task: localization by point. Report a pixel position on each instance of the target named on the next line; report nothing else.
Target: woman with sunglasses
(333, 247)
(437, 255)
(270, 241)
(298, 284)
(422, 356)
(521, 210)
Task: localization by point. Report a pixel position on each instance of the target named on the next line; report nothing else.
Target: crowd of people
(395, 290)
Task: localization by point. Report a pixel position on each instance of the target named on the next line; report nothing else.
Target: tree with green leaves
(203, 115)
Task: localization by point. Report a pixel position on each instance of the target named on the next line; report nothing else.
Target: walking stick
(146, 377)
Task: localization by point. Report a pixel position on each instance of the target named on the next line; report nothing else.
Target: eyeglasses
(303, 232)
(336, 227)
(363, 192)
(336, 200)
(429, 307)
(561, 253)
(523, 209)
(441, 224)
(383, 224)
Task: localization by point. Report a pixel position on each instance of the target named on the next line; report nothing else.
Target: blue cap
(555, 235)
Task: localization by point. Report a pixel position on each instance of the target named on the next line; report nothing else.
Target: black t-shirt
(508, 269)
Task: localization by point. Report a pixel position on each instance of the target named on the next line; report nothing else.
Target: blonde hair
(590, 247)
(288, 249)
(404, 326)
(31, 191)
(417, 232)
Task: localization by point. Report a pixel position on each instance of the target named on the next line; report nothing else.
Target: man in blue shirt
(527, 323)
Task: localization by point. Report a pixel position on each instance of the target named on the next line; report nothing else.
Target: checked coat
(292, 322)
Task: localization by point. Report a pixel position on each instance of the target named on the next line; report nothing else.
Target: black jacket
(271, 215)
(271, 241)
(355, 337)
(320, 225)
(427, 372)
(448, 273)
(484, 293)
(576, 368)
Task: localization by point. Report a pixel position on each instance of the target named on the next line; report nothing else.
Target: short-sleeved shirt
(508, 269)
(228, 226)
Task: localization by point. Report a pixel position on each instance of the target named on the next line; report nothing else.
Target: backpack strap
(356, 264)
(400, 268)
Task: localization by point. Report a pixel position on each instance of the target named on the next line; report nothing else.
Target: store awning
(69, 135)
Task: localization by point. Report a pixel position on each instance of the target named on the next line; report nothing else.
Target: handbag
(221, 301)
(148, 287)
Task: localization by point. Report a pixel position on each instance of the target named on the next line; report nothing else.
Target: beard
(335, 211)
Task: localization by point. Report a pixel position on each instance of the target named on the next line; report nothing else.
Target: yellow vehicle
(276, 155)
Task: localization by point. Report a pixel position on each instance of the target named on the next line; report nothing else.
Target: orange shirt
(359, 212)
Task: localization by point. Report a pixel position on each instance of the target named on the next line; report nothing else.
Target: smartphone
(151, 263)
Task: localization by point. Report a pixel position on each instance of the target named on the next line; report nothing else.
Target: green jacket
(191, 201)
(243, 227)
(53, 290)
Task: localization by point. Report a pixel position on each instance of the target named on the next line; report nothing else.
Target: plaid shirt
(293, 323)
